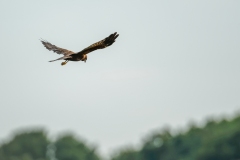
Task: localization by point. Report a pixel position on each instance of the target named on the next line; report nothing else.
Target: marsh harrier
(82, 55)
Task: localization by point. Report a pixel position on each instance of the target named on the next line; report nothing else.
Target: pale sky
(174, 61)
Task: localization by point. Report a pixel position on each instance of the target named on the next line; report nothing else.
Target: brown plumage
(82, 55)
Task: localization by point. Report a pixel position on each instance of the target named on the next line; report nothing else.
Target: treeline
(214, 141)
(217, 140)
(35, 145)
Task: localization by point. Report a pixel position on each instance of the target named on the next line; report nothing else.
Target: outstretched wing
(56, 49)
(108, 41)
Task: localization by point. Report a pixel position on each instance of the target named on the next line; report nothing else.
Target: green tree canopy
(215, 141)
(70, 148)
(25, 146)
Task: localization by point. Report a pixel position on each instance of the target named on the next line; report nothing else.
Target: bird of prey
(82, 55)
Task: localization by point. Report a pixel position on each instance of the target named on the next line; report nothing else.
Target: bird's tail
(62, 58)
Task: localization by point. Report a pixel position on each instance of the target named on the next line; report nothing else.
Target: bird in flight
(82, 55)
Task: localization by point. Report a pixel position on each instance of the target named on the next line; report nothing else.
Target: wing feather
(108, 41)
(56, 49)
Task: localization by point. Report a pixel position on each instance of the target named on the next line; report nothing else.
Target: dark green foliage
(69, 148)
(126, 154)
(155, 144)
(215, 141)
(25, 146)
(34, 145)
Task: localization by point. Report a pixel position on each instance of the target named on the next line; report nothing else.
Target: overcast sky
(174, 61)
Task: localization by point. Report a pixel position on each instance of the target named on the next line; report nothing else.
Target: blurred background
(167, 89)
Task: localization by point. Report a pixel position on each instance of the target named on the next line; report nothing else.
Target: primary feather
(108, 41)
(56, 49)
